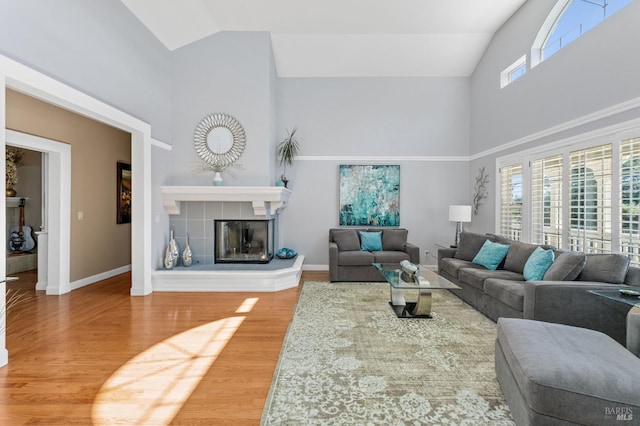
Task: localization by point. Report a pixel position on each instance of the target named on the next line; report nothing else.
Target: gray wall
(390, 118)
(594, 72)
(97, 47)
(228, 72)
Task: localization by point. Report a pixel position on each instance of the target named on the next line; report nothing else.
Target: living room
(440, 129)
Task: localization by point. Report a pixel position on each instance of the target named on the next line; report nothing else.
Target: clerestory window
(568, 20)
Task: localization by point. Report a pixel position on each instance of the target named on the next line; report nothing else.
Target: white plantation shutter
(511, 201)
(590, 199)
(630, 199)
(546, 201)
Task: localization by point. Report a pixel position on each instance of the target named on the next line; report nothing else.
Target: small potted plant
(288, 149)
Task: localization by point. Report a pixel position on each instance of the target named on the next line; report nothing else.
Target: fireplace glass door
(244, 241)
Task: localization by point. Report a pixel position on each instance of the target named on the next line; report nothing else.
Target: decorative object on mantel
(187, 256)
(287, 150)
(481, 191)
(219, 139)
(13, 157)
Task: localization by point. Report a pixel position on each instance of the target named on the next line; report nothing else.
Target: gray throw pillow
(607, 268)
(469, 244)
(394, 239)
(518, 255)
(346, 239)
(566, 267)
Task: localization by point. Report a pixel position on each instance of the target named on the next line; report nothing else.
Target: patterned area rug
(348, 360)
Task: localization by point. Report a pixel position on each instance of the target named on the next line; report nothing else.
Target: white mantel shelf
(266, 200)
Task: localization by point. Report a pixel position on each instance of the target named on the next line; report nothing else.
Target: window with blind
(511, 201)
(590, 229)
(630, 199)
(546, 201)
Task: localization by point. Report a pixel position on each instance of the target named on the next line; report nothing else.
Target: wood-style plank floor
(97, 356)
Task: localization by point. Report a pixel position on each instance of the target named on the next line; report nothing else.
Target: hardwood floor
(99, 356)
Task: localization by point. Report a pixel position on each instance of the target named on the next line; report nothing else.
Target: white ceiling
(342, 38)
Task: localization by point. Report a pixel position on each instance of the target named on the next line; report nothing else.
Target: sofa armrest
(333, 261)
(570, 303)
(445, 253)
(414, 253)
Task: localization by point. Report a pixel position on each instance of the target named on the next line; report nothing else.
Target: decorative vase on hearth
(168, 258)
(187, 256)
(175, 250)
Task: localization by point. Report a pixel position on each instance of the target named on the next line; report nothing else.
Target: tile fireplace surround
(193, 209)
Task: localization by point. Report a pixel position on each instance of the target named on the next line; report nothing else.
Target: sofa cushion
(394, 239)
(566, 267)
(346, 239)
(475, 277)
(452, 266)
(518, 255)
(509, 292)
(355, 258)
(370, 241)
(491, 254)
(469, 245)
(537, 264)
(390, 256)
(609, 268)
(568, 373)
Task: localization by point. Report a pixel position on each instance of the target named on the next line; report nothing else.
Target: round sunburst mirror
(219, 140)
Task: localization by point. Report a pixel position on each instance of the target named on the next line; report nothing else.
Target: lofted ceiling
(342, 38)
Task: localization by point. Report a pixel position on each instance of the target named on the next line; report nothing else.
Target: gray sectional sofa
(560, 297)
(349, 262)
(555, 374)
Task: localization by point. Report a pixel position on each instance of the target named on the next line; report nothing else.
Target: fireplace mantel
(266, 200)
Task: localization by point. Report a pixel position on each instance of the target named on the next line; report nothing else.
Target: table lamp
(459, 214)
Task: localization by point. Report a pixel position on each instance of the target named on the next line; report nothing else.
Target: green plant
(287, 150)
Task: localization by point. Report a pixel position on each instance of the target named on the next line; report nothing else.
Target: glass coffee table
(424, 281)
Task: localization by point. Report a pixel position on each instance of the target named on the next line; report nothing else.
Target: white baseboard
(99, 277)
(315, 267)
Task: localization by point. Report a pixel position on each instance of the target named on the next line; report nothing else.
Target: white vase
(187, 256)
(217, 179)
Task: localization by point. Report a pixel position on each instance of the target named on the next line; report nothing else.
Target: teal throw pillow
(537, 264)
(491, 255)
(371, 241)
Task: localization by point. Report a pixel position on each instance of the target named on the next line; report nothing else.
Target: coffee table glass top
(628, 299)
(425, 278)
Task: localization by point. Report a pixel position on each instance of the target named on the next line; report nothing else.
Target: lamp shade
(460, 213)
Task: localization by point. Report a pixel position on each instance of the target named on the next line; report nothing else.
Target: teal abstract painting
(369, 195)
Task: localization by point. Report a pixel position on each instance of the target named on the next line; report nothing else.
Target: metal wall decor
(219, 139)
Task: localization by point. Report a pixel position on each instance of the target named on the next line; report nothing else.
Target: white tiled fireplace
(193, 210)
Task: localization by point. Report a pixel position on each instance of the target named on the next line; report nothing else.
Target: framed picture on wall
(124, 193)
(369, 195)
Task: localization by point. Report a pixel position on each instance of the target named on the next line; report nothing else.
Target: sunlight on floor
(247, 306)
(152, 387)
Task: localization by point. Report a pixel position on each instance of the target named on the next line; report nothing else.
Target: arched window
(568, 20)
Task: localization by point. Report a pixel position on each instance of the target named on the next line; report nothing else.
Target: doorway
(53, 238)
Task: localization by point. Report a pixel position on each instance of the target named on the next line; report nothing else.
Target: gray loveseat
(348, 262)
(560, 297)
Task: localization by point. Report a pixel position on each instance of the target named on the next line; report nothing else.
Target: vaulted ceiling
(343, 38)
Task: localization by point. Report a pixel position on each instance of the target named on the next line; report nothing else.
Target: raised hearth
(277, 275)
